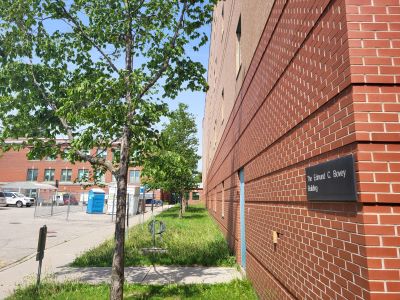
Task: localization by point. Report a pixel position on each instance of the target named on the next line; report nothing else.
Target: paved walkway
(60, 255)
(152, 275)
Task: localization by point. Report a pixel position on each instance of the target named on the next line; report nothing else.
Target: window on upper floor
(66, 175)
(83, 174)
(238, 46)
(32, 175)
(49, 174)
(101, 177)
(134, 176)
(101, 153)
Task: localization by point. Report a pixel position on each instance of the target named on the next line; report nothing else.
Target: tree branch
(165, 64)
(81, 29)
(89, 158)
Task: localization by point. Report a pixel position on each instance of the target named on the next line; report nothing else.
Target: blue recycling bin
(95, 201)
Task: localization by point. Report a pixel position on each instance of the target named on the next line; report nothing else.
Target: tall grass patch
(194, 240)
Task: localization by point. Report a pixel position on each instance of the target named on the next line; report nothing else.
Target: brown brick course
(323, 83)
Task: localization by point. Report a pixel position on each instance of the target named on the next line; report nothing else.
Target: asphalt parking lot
(19, 230)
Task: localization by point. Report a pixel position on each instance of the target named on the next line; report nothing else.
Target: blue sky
(196, 100)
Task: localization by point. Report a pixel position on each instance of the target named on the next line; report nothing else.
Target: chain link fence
(49, 203)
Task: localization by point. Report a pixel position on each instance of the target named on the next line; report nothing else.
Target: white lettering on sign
(339, 173)
(312, 188)
(319, 177)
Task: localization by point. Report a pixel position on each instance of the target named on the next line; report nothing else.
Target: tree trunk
(117, 271)
(181, 205)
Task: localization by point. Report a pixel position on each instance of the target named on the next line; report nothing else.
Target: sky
(196, 100)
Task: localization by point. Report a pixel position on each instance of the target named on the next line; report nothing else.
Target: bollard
(40, 252)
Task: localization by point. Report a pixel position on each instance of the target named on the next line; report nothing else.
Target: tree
(172, 165)
(93, 72)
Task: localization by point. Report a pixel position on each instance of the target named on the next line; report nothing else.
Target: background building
(15, 166)
(294, 84)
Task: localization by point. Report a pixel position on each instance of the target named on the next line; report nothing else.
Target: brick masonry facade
(323, 82)
(14, 166)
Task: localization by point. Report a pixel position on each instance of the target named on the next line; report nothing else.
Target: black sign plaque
(332, 181)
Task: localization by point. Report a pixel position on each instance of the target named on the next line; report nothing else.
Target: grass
(193, 240)
(74, 290)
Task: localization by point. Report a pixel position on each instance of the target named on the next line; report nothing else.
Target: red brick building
(15, 166)
(294, 84)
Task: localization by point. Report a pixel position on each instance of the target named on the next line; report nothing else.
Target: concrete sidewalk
(152, 275)
(60, 255)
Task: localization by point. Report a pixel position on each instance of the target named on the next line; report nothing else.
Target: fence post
(69, 205)
(52, 202)
(36, 201)
(112, 212)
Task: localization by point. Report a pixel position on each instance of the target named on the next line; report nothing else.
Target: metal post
(40, 252)
(143, 206)
(69, 205)
(112, 212)
(38, 274)
(52, 202)
(34, 213)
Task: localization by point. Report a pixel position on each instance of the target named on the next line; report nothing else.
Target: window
(134, 176)
(238, 50)
(186, 196)
(83, 174)
(101, 177)
(49, 175)
(223, 201)
(32, 175)
(66, 175)
(50, 158)
(101, 153)
(195, 196)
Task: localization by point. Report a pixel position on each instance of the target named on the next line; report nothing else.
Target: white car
(16, 199)
(29, 199)
(3, 201)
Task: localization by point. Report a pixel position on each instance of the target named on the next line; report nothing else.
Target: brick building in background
(294, 84)
(15, 166)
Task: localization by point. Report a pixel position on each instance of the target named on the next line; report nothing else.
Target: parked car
(13, 198)
(30, 199)
(70, 198)
(58, 200)
(154, 202)
(3, 201)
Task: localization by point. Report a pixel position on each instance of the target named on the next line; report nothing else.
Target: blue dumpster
(95, 201)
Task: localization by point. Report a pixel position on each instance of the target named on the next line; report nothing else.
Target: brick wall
(14, 166)
(324, 82)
